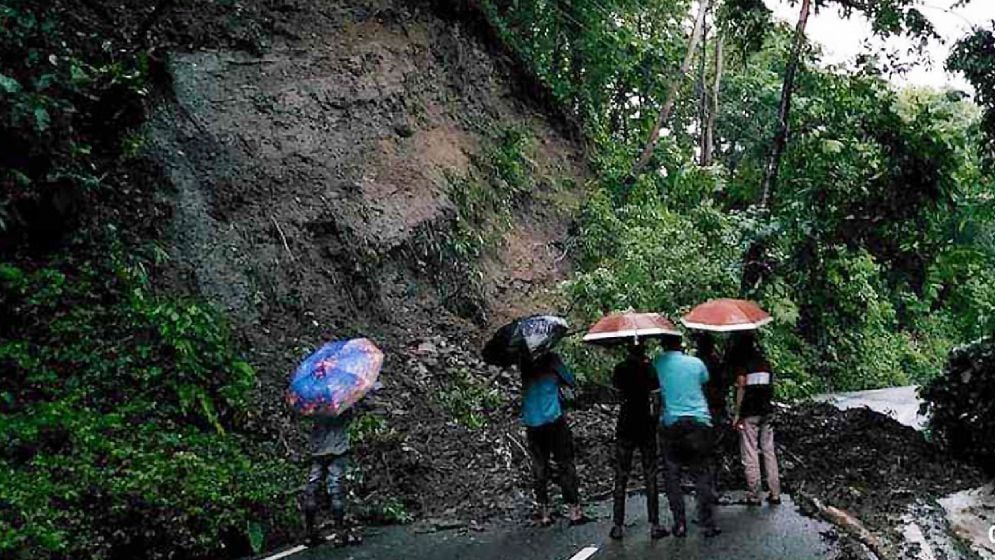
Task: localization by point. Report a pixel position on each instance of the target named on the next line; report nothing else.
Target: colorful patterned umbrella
(534, 335)
(335, 377)
(622, 328)
(726, 315)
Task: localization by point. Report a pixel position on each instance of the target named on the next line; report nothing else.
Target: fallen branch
(851, 525)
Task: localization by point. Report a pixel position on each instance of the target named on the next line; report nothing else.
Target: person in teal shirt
(686, 432)
(548, 433)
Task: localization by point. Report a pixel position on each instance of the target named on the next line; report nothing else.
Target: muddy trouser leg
(748, 454)
(315, 476)
(647, 453)
(770, 457)
(672, 476)
(624, 448)
(335, 476)
(539, 449)
(563, 454)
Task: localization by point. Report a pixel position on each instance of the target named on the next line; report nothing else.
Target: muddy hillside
(380, 171)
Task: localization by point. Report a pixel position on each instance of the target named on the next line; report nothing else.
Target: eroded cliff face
(312, 197)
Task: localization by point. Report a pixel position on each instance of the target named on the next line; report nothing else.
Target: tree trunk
(784, 110)
(702, 90)
(756, 262)
(668, 104)
(708, 149)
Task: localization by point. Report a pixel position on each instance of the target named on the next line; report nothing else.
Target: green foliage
(123, 416)
(468, 400)
(883, 214)
(61, 91)
(504, 174)
(960, 403)
(974, 56)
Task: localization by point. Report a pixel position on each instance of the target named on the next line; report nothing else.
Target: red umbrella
(629, 327)
(725, 315)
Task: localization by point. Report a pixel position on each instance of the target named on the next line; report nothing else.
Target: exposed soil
(310, 199)
(310, 202)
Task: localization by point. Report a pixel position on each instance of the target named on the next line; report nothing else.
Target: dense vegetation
(878, 253)
(127, 426)
(126, 421)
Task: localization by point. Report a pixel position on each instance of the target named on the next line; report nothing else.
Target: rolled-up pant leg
(770, 457)
(312, 488)
(749, 455)
(624, 449)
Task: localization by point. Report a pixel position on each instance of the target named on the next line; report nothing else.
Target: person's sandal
(658, 532)
(616, 532)
(774, 500)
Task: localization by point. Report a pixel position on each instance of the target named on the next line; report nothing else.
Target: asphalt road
(901, 403)
(762, 533)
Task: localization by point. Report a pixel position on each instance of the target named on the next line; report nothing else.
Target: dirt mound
(865, 462)
(448, 442)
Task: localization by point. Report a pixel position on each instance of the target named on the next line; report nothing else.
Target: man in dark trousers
(686, 430)
(548, 433)
(637, 384)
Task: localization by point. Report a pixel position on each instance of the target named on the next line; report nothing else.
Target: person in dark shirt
(637, 384)
(753, 417)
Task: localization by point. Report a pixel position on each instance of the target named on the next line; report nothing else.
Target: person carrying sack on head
(548, 433)
(753, 417)
(686, 431)
(638, 387)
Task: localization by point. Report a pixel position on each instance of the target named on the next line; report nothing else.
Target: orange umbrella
(629, 327)
(725, 315)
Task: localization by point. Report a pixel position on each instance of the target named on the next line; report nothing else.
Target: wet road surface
(901, 403)
(761, 533)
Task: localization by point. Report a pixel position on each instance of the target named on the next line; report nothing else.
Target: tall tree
(708, 147)
(671, 98)
(784, 108)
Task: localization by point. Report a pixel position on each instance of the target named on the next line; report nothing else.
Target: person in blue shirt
(686, 432)
(548, 433)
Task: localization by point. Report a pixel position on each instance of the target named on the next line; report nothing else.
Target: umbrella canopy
(534, 336)
(335, 377)
(619, 328)
(726, 315)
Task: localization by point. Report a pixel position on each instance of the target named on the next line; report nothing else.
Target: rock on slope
(312, 200)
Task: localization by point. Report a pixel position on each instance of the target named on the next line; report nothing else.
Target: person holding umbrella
(548, 432)
(753, 416)
(638, 387)
(686, 430)
(528, 342)
(754, 386)
(326, 387)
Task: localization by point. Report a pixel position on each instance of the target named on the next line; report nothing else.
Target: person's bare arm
(740, 391)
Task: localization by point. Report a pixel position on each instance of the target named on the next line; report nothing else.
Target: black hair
(671, 343)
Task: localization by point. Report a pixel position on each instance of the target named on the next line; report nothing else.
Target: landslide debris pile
(864, 462)
(961, 403)
(444, 442)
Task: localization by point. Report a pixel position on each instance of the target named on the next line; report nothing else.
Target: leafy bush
(123, 421)
(960, 403)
